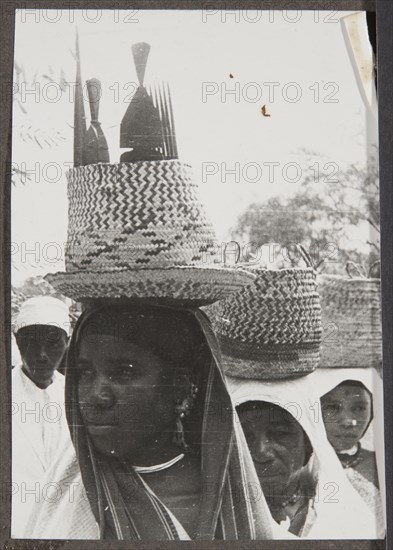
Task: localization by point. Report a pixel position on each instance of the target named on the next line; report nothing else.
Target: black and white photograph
(195, 263)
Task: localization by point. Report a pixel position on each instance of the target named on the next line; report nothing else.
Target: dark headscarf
(171, 334)
(232, 504)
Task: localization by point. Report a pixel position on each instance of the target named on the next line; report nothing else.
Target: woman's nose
(348, 422)
(263, 449)
(102, 394)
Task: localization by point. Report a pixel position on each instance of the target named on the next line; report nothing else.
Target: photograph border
(384, 13)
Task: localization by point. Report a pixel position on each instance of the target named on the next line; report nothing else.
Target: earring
(182, 410)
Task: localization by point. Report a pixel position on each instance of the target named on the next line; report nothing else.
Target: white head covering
(43, 310)
(340, 511)
(324, 380)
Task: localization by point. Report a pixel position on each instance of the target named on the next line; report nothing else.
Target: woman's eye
(85, 372)
(125, 370)
(280, 434)
(359, 408)
(330, 409)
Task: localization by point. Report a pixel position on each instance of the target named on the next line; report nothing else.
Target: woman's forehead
(347, 390)
(117, 319)
(93, 344)
(265, 412)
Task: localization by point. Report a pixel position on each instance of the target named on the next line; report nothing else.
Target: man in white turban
(39, 426)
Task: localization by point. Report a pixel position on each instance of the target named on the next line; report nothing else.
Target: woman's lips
(101, 429)
(268, 470)
(100, 417)
(102, 424)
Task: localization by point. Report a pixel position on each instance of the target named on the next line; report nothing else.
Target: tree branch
(374, 246)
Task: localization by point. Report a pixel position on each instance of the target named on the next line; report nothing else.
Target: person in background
(39, 426)
(306, 489)
(349, 384)
(348, 412)
(270, 338)
(280, 449)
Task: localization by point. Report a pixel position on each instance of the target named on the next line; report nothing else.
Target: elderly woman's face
(277, 445)
(346, 411)
(125, 394)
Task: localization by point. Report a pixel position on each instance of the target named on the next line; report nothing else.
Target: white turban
(43, 310)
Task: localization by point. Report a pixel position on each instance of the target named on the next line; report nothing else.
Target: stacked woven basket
(270, 329)
(138, 231)
(351, 319)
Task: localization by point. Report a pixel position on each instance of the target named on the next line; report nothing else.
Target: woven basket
(351, 321)
(138, 230)
(188, 286)
(270, 329)
(131, 215)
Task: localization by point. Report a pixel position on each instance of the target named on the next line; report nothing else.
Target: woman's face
(125, 394)
(278, 447)
(347, 412)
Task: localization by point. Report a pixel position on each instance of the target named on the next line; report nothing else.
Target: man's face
(41, 348)
(346, 411)
(277, 445)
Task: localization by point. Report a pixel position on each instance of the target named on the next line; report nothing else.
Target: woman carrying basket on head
(157, 454)
(270, 335)
(349, 383)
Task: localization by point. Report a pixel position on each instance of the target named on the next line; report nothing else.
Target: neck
(156, 451)
(281, 498)
(350, 452)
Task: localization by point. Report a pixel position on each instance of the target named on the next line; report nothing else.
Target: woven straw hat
(351, 321)
(271, 329)
(138, 230)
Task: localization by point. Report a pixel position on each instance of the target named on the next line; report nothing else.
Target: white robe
(39, 431)
(324, 380)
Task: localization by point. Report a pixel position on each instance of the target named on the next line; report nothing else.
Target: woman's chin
(273, 486)
(343, 443)
(106, 440)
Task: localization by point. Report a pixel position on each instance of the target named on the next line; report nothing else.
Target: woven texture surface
(132, 215)
(271, 328)
(193, 285)
(351, 320)
(138, 230)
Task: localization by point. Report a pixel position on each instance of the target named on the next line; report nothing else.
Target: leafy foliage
(322, 217)
(29, 134)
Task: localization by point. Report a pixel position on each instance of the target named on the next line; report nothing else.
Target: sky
(222, 67)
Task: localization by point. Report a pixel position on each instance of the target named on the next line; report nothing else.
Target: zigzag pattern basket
(270, 329)
(139, 230)
(351, 320)
(191, 286)
(131, 215)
